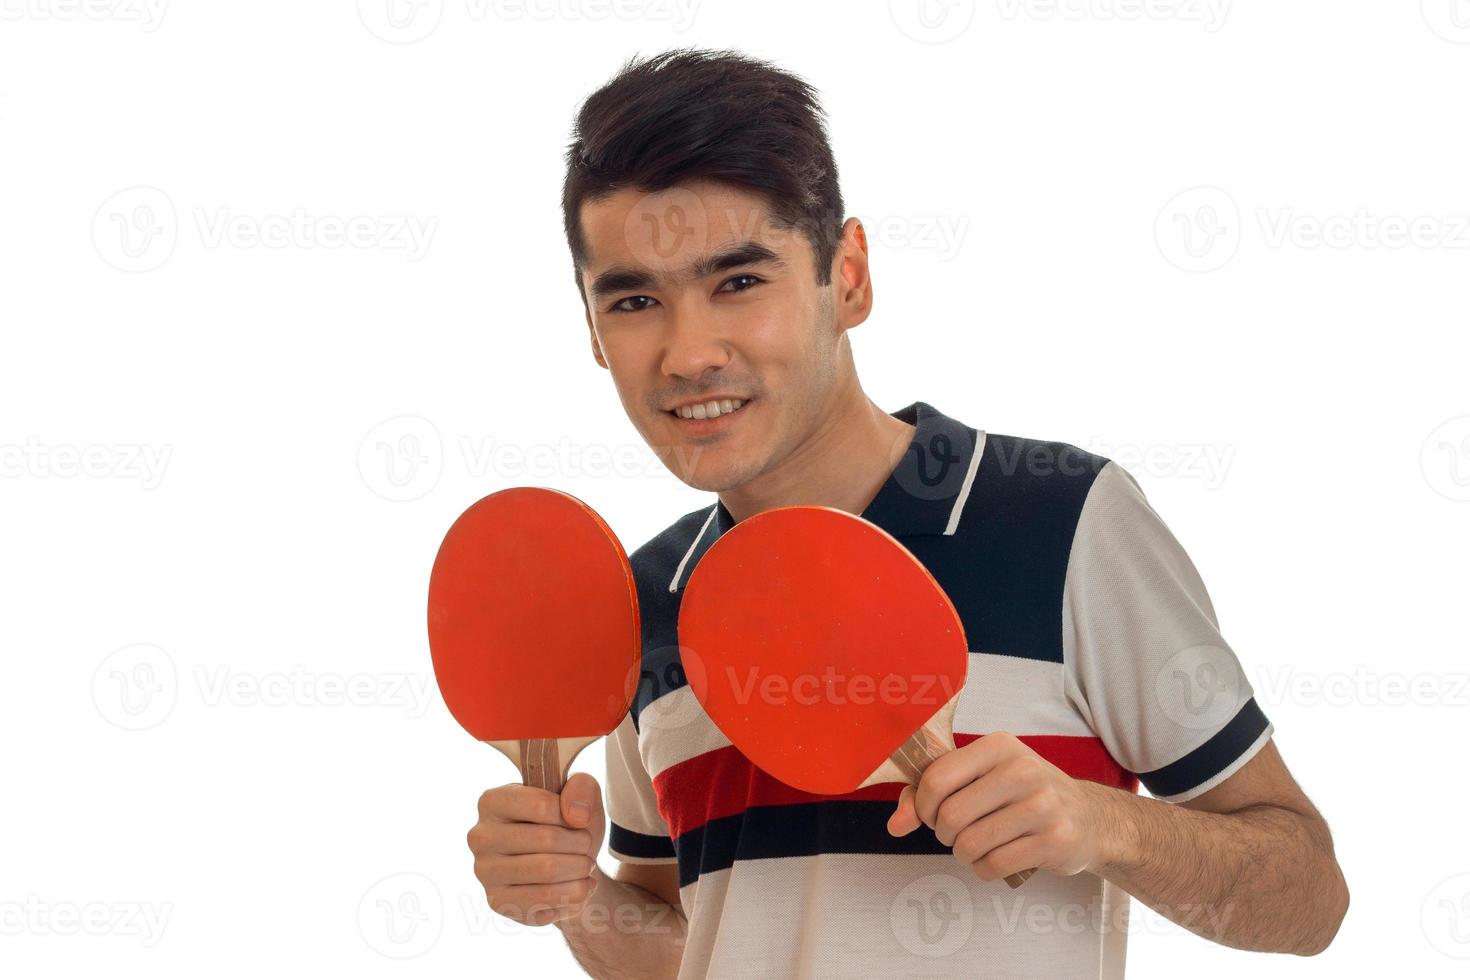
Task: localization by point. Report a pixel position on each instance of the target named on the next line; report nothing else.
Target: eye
(753, 281)
(641, 301)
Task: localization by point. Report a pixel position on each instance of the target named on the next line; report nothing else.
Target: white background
(228, 461)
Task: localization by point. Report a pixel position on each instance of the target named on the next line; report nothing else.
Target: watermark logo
(933, 917)
(678, 13)
(942, 234)
(1210, 14)
(1021, 914)
(1362, 687)
(1362, 229)
(124, 461)
(664, 224)
(136, 687)
(1445, 917)
(35, 916)
(407, 233)
(939, 464)
(1199, 229)
(1207, 463)
(932, 21)
(401, 458)
(136, 229)
(147, 14)
(400, 21)
(834, 687)
(401, 916)
(1199, 687)
(1450, 19)
(404, 457)
(298, 687)
(667, 680)
(1445, 459)
(408, 21)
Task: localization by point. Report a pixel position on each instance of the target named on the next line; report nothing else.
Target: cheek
(625, 350)
(777, 327)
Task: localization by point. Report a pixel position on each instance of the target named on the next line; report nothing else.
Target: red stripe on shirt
(723, 782)
(1079, 756)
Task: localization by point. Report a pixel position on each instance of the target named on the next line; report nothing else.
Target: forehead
(666, 231)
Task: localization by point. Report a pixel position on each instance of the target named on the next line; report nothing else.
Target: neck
(843, 463)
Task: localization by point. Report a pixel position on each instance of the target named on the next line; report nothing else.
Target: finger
(530, 804)
(525, 902)
(533, 869)
(1020, 854)
(581, 801)
(545, 917)
(1011, 822)
(959, 768)
(903, 820)
(976, 801)
(535, 838)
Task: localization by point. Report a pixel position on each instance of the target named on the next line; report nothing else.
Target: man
(719, 280)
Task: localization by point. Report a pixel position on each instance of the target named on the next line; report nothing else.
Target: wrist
(602, 883)
(1115, 830)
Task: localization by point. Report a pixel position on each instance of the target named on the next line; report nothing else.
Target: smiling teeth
(709, 410)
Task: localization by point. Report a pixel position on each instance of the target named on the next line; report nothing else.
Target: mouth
(709, 414)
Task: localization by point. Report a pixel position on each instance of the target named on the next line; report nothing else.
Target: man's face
(694, 295)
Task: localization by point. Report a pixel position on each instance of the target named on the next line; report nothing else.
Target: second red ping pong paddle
(824, 650)
(533, 628)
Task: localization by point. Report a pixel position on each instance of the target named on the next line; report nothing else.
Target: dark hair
(689, 114)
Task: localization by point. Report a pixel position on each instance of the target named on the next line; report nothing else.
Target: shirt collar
(924, 495)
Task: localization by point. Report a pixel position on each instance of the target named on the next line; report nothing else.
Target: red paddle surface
(818, 644)
(533, 619)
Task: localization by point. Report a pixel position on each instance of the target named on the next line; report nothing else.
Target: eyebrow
(621, 278)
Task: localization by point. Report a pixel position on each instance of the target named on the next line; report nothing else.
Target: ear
(851, 278)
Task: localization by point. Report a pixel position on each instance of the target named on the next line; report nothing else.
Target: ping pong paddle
(533, 628)
(824, 651)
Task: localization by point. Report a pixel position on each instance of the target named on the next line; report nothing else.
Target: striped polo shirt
(1091, 638)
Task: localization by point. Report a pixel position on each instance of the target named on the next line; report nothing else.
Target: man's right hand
(535, 852)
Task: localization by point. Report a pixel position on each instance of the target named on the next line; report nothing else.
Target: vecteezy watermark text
(122, 461)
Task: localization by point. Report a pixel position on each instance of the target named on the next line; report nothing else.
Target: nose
(694, 346)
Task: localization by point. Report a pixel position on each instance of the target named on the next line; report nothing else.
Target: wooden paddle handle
(917, 754)
(541, 764)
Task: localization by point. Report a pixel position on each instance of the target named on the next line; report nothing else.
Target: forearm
(1260, 878)
(625, 932)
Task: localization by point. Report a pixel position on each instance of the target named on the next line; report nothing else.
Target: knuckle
(480, 838)
(486, 802)
(1022, 768)
(965, 843)
(946, 814)
(543, 867)
(1035, 806)
(500, 905)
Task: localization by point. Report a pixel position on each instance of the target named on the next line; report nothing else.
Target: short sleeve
(1145, 660)
(637, 834)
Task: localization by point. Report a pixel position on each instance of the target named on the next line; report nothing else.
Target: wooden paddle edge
(543, 762)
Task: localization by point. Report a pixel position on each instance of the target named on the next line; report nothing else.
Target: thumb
(905, 818)
(581, 806)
